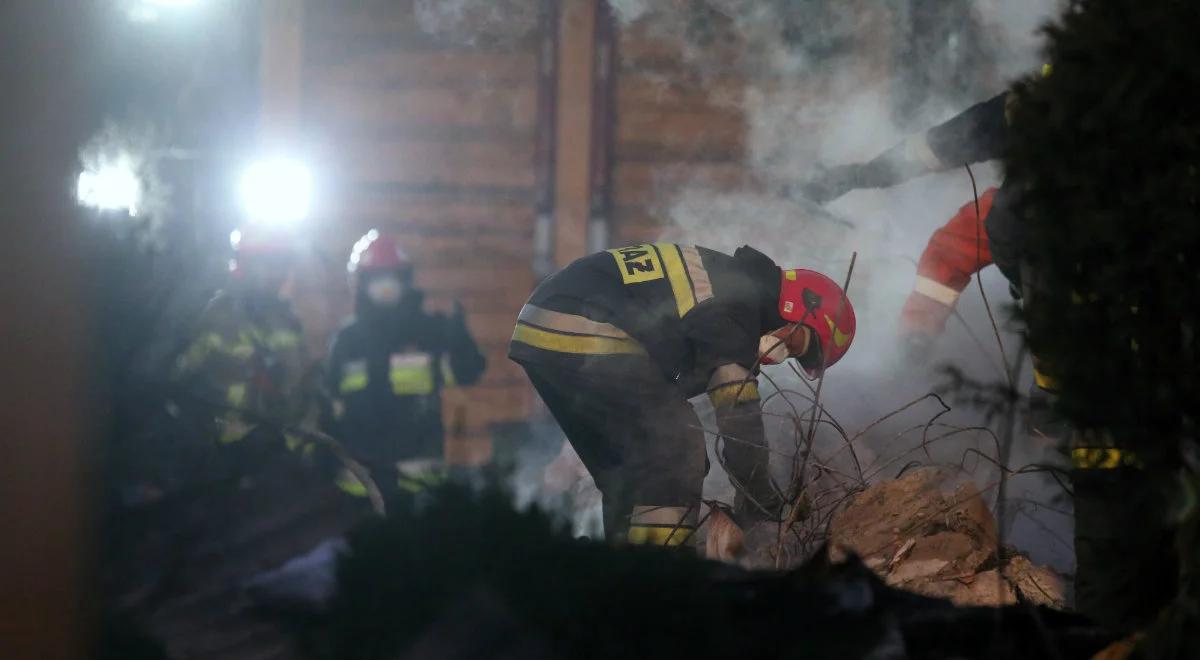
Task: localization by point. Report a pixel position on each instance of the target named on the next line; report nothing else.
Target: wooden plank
(430, 218)
(638, 91)
(572, 177)
(639, 183)
(363, 24)
(461, 277)
(506, 163)
(506, 108)
(390, 68)
(644, 49)
(679, 134)
(505, 253)
(505, 301)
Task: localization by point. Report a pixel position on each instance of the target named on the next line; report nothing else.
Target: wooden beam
(281, 69)
(573, 132)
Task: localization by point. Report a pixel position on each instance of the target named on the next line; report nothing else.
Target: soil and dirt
(931, 532)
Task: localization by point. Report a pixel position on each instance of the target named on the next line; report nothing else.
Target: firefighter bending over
(617, 342)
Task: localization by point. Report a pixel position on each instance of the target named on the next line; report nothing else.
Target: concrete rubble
(933, 534)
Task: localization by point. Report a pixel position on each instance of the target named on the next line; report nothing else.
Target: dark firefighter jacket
(246, 364)
(695, 313)
(385, 378)
(977, 134)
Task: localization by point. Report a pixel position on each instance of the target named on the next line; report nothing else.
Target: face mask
(385, 291)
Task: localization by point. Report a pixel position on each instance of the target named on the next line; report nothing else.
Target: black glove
(760, 505)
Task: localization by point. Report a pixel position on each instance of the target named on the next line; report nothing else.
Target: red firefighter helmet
(253, 241)
(376, 251)
(810, 298)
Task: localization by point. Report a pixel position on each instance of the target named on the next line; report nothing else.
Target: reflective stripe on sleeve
(936, 291)
(917, 149)
(701, 285)
(1102, 458)
(732, 394)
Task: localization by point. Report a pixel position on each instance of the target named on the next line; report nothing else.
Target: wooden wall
(435, 138)
(433, 141)
(674, 128)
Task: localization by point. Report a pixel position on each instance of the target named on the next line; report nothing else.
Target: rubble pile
(933, 534)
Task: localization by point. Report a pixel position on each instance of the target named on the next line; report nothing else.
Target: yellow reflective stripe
(353, 381)
(410, 486)
(669, 516)
(283, 339)
(349, 484)
(294, 442)
(1044, 381)
(729, 373)
(732, 394)
(685, 298)
(448, 378)
(214, 342)
(571, 323)
(1102, 458)
(233, 430)
(235, 395)
(658, 535)
(411, 380)
(581, 344)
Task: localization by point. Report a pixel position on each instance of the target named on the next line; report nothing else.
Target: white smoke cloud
(821, 92)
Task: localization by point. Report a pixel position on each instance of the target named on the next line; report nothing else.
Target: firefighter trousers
(638, 437)
(1125, 563)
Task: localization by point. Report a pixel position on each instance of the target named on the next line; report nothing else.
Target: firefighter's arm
(733, 390)
(955, 252)
(974, 135)
(726, 344)
(466, 361)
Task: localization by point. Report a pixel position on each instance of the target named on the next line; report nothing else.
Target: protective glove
(762, 504)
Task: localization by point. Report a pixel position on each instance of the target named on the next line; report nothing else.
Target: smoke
(832, 83)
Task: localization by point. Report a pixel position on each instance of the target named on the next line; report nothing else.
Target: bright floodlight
(112, 185)
(276, 191)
